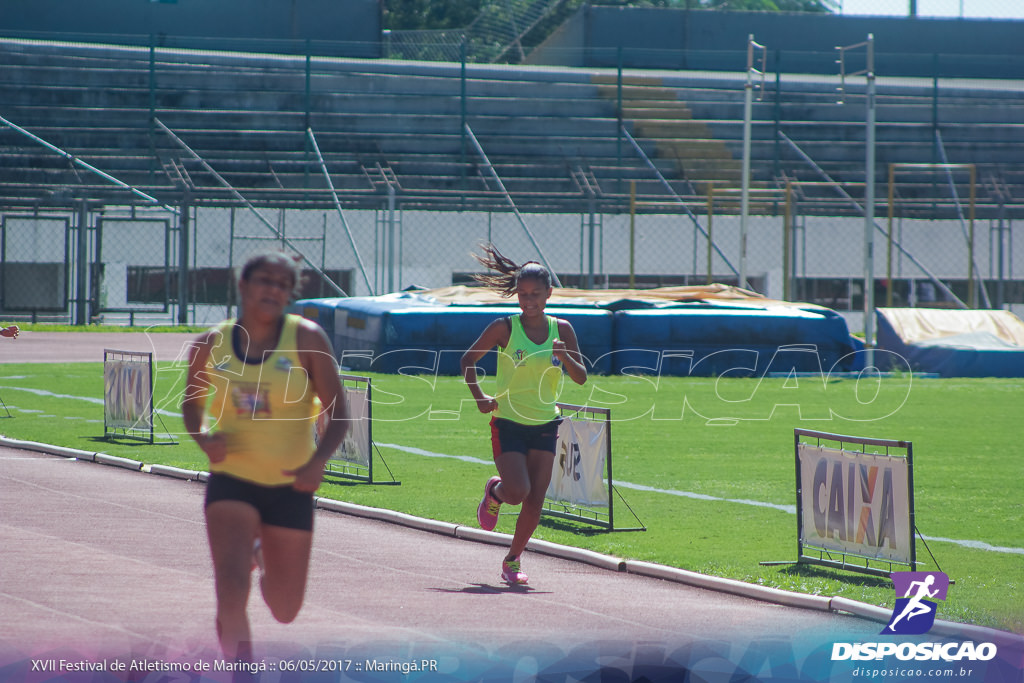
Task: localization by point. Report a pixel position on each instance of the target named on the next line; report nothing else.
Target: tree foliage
(768, 5)
(411, 15)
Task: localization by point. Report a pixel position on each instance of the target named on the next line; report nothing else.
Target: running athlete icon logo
(914, 612)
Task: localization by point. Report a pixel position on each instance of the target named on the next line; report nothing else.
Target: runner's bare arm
(317, 358)
(494, 335)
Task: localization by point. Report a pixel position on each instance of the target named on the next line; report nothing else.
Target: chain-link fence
(133, 267)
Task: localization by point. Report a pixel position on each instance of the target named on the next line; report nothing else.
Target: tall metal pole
(972, 299)
(462, 115)
(711, 218)
(633, 231)
(391, 237)
(787, 245)
(590, 244)
(748, 107)
(618, 110)
(888, 240)
(183, 248)
(82, 265)
(869, 210)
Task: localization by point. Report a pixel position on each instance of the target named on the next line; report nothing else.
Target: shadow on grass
(125, 440)
(331, 479)
(810, 571)
(581, 528)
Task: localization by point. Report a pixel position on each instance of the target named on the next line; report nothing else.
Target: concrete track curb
(649, 569)
(175, 472)
(391, 516)
(48, 448)
(126, 463)
(741, 588)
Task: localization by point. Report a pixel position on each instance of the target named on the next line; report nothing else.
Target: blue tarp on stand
(716, 339)
(698, 331)
(414, 335)
(952, 343)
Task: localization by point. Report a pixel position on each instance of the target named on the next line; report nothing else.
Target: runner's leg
(538, 467)
(286, 555)
(231, 527)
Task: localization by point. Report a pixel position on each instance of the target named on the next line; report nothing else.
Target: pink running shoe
(511, 575)
(487, 511)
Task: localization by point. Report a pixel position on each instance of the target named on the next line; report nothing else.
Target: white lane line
(789, 509)
(87, 399)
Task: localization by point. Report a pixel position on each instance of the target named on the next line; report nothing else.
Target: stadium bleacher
(551, 134)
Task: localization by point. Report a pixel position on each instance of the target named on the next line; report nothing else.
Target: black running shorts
(508, 436)
(277, 505)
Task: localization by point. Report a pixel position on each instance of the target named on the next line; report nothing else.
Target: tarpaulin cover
(953, 342)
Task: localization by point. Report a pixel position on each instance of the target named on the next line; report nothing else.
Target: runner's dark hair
(277, 258)
(508, 273)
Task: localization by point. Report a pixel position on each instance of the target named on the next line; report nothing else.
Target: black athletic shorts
(508, 436)
(277, 505)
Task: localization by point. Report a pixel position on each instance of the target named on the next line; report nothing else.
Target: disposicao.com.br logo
(914, 614)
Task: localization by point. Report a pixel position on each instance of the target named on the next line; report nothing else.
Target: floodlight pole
(748, 108)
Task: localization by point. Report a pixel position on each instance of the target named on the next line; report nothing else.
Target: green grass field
(729, 439)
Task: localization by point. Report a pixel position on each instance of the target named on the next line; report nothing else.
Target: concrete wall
(351, 26)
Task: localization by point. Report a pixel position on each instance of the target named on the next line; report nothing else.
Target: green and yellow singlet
(528, 376)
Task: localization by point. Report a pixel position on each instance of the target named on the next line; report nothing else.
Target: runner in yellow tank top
(534, 350)
(250, 401)
(263, 407)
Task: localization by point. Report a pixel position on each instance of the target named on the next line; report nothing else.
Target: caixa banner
(128, 394)
(855, 497)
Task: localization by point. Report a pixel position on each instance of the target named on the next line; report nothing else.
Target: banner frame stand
(110, 433)
(839, 559)
(349, 472)
(582, 513)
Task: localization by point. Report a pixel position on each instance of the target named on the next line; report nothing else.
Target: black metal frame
(57, 217)
(581, 513)
(98, 261)
(353, 471)
(127, 432)
(839, 560)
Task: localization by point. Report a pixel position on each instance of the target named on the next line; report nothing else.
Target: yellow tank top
(266, 410)
(528, 376)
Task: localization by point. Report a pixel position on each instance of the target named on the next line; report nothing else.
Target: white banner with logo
(356, 446)
(856, 503)
(127, 390)
(577, 475)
